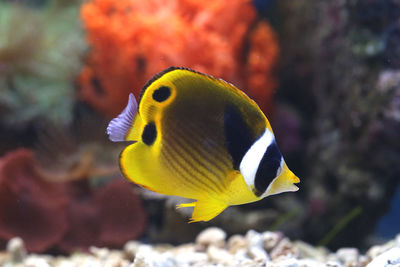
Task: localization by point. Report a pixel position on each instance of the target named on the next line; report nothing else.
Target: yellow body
(188, 157)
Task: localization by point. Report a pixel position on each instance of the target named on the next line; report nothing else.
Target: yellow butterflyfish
(201, 138)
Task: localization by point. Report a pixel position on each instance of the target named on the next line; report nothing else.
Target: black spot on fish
(149, 134)
(267, 169)
(238, 135)
(161, 94)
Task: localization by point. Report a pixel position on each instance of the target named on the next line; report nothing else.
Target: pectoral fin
(119, 127)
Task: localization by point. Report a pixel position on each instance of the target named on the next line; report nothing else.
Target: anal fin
(205, 210)
(185, 205)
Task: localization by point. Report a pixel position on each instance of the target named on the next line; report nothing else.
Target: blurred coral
(132, 40)
(40, 56)
(339, 78)
(122, 215)
(108, 217)
(30, 208)
(70, 214)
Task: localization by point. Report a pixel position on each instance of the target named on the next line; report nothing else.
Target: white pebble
(236, 242)
(219, 255)
(36, 261)
(241, 255)
(166, 259)
(211, 236)
(390, 258)
(309, 263)
(284, 249)
(115, 260)
(397, 240)
(348, 256)
(191, 258)
(289, 262)
(147, 257)
(255, 247)
(100, 253)
(186, 255)
(270, 240)
(130, 249)
(334, 264)
(16, 248)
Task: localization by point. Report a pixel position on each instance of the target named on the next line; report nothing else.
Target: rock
(78, 259)
(100, 253)
(36, 261)
(130, 249)
(309, 263)
(219, 255)
(242, 258)
(270, 240)
(389, 258)
(363, 260)
(289, 262)
(235, 243)
(16, 249)
(115, 262)
(147, 257)
(166, 259)
(374, 251)
(348, 256)
(240, 250)
(255, 247)
(115, 258)
(284, 249)
(187, 255)
(211, 236)
(307, 251)
(144, 257)
(334, 264)
(397, 240)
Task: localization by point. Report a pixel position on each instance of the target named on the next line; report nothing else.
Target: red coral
(72, 215)
(30, 207)
(108, 217)
(131, 40)
(122, 213)
(83, 219)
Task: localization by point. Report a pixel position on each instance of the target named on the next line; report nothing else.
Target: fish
(200, 138)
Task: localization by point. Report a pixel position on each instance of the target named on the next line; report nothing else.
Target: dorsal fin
(169, 69)
(155, 78)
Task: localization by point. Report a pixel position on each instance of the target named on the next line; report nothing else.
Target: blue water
(389, 225)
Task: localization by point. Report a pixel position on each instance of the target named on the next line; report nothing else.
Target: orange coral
(131, 40)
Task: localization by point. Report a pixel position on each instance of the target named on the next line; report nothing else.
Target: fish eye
(161, 94)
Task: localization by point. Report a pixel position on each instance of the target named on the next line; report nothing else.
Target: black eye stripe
(149, 134)
(268, 168)
(161, 94)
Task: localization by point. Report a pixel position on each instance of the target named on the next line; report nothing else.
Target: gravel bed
(212, 248)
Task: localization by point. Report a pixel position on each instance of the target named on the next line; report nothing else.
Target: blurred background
(326, 73)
